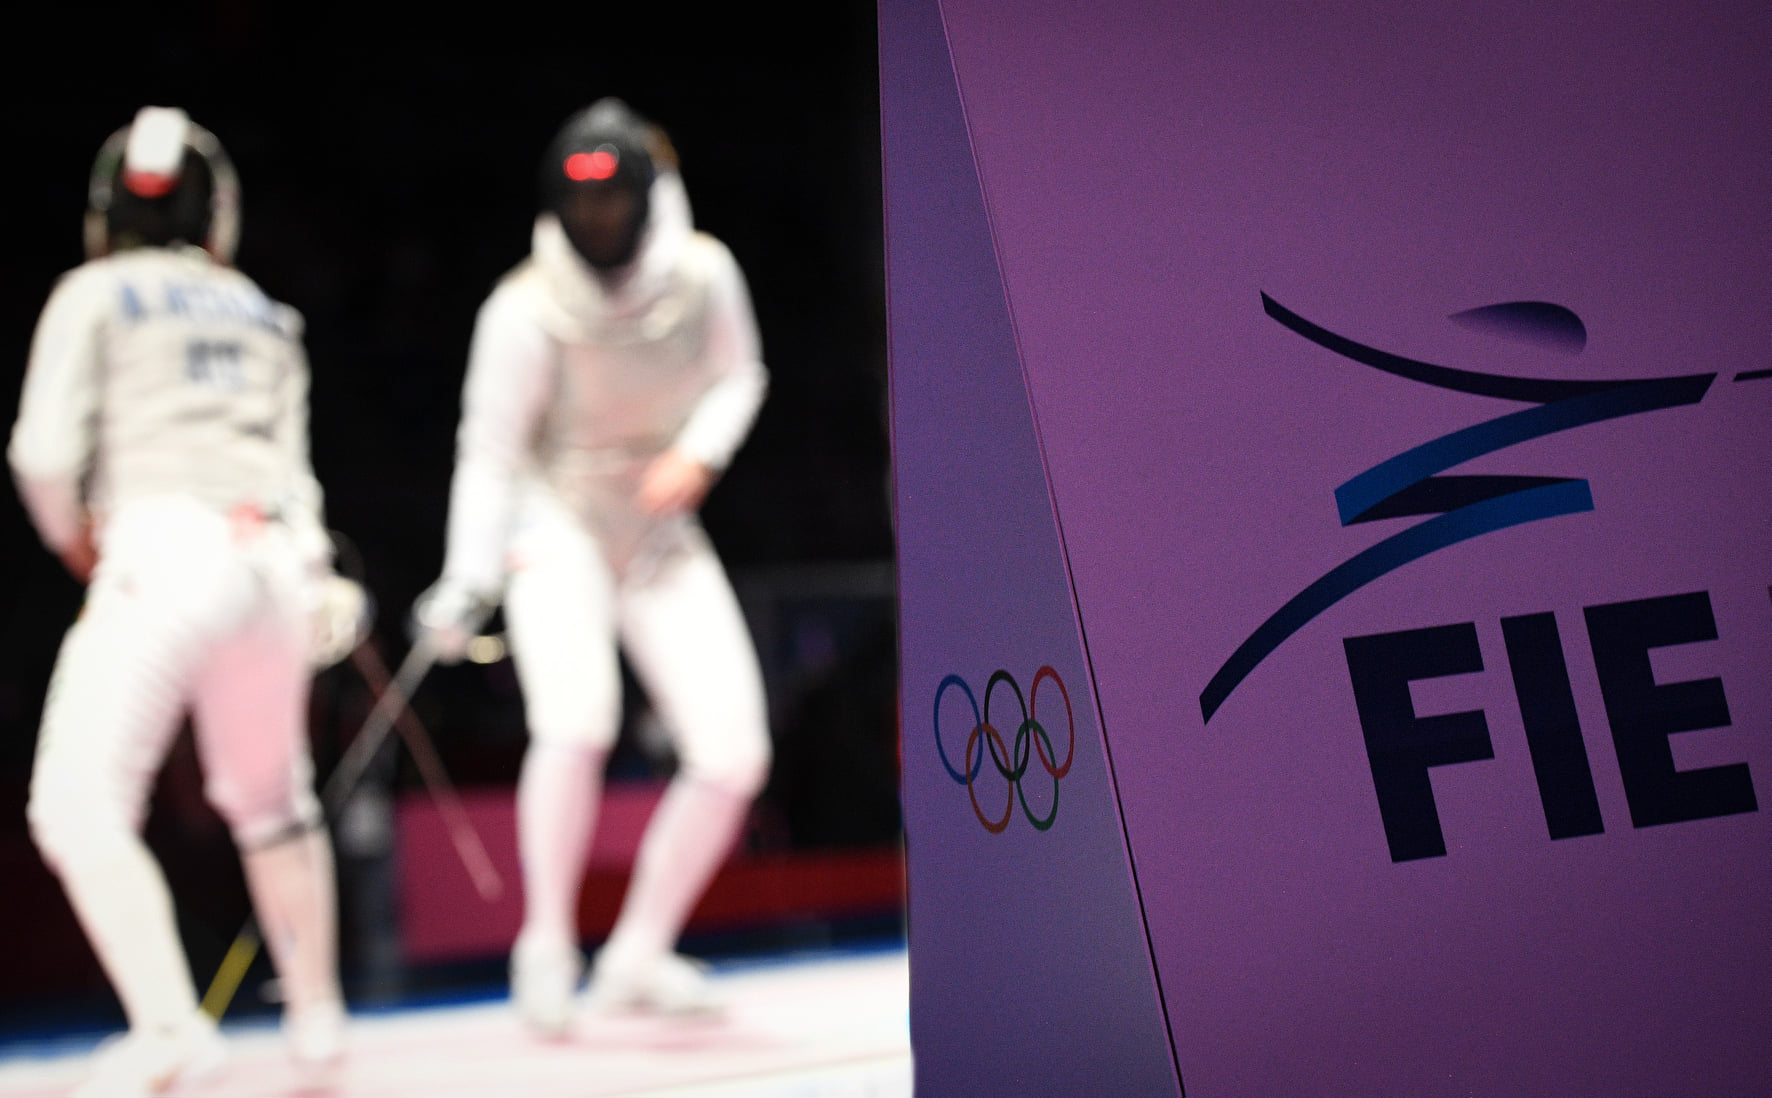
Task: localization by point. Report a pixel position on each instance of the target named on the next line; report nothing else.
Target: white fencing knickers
(676, 617)
(685, 636)
(189, 609)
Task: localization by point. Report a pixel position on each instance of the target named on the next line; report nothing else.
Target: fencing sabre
(436, 780)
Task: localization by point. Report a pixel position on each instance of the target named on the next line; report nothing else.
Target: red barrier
(443, 918)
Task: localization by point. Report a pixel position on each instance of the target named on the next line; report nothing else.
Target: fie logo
(1643, 713)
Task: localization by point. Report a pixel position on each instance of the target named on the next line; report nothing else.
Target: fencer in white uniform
(611, 377)
(161, 451)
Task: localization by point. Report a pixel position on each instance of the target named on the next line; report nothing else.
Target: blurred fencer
(161, 450)
(611, 377)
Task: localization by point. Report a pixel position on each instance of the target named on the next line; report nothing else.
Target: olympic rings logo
(1012, 760)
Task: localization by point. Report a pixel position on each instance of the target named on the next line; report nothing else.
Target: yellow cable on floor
(228, 976)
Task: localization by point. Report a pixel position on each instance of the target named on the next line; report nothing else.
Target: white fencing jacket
(573, 388)
(156, 371)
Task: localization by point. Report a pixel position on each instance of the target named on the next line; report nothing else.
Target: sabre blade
(468, 845)
(388, 707)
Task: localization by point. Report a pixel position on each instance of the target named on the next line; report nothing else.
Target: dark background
(387, 166)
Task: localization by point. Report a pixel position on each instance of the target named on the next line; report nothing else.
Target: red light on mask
(148, 184)
(582, 166)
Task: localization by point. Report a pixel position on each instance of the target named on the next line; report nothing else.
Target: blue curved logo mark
(1463, 507)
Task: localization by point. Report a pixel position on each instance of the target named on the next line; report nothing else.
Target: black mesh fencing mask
(597, 178)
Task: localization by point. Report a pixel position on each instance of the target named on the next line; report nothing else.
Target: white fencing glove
(340, 620)
(449, 614)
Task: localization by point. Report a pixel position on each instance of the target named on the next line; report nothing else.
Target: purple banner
(1365, 410)
(1023, 916)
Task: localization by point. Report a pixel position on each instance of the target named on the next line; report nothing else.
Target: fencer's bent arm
(726, 412)
(52, 441)
(509, 376)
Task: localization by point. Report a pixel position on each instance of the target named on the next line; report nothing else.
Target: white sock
(123, 904)
(557, 795)
(686, 841)
(293, 895)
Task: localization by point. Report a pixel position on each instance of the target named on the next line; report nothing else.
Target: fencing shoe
(544, 981)
(146, 1063)
(661, 983)
(315, 1037)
